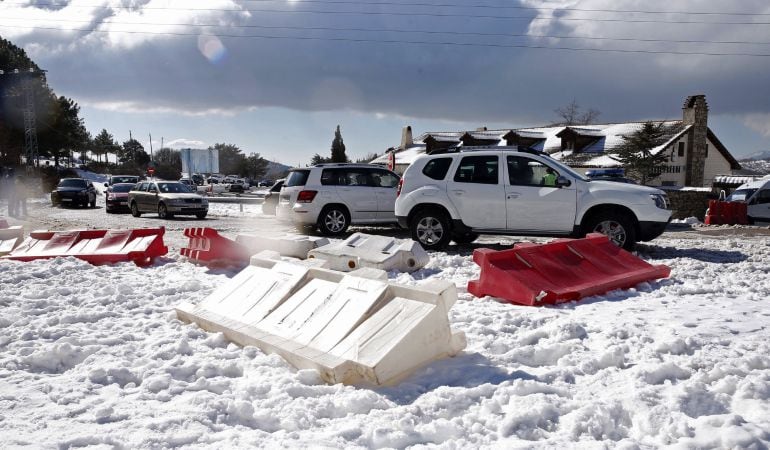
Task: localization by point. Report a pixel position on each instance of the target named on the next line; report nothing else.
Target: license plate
(66, 199)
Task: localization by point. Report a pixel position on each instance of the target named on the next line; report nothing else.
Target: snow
(94, 356)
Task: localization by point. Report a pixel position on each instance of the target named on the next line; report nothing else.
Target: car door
(385, 185)
(530, 205)
(356, 190)
(759, 205)
(136, 193)
(148, 198)
(477, 192)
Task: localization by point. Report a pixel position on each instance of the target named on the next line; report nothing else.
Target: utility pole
(150, 147)
(28, 79)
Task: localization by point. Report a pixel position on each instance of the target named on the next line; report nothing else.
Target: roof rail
(480, 148)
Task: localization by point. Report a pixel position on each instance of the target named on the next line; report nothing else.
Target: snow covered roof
(406, 156)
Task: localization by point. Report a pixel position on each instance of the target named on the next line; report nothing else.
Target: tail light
(400, 185)
(306, 196)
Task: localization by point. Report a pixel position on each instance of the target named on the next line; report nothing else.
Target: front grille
(193, 200)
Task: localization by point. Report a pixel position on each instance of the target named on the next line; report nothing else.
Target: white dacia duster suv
(503, 190)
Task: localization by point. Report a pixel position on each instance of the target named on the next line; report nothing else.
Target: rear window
(297, 178)
(437, 168)
(126, 179)
(122, 187)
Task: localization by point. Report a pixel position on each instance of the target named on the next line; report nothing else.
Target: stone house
(695, 155)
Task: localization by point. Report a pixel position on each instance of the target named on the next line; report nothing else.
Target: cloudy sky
(276, 77)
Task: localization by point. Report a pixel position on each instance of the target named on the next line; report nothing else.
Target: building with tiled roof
(695, 155)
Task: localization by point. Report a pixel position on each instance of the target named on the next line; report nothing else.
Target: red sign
(391, 160)
(151, 171)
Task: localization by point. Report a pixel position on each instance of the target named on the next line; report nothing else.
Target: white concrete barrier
(351, 328)
(378, 252)
(10, 238)
(293, 245)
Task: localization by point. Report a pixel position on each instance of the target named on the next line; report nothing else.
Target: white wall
(716, 164)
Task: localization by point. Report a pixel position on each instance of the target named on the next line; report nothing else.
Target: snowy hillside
(94, 356)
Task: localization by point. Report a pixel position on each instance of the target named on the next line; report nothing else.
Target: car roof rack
(480, 148)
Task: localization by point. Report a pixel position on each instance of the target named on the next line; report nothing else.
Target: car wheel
(163, 212)
(201, 215)
(617, 226)
(93, 203)
(464, 238)
(333, 220)
(430, 227)
(135, 210)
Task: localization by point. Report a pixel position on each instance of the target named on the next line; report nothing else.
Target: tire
(135, 210)
(464, 238)
(431, 228)
(163, 212)
(201, 215)
(93, 203)
(333, 221)
(750, 220)
(617, 226)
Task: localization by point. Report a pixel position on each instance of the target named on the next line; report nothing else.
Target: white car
(334, 196)
(756, 194)
(501, 190)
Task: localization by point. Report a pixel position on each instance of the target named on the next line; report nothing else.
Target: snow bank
(94, 356)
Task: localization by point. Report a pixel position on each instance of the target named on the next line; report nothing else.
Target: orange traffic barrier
(207, 246)
(141, 245)
(559, 271)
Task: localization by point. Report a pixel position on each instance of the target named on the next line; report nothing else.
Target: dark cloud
(484, 83)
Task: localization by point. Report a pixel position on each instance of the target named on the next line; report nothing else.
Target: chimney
(406, 137)
(695, 112)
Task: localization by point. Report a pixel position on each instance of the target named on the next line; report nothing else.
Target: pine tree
(636, 152)
(338, 148)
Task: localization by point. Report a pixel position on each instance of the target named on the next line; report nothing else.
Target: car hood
(177, 195)
(600, 185)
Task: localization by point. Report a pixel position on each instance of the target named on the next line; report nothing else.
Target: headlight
(661, 200)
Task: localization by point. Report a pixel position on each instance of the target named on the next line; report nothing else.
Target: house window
(681, 149)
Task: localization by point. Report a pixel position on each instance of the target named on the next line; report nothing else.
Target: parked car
(116, 197)
(756, 194)
(331, 197)
(188, 182)
(74, 191)
(230, 179)
(271, 198)
(197, 179)
(266, 183)
(215, 178)
(114, 179)
(167, 198)
(500, 190)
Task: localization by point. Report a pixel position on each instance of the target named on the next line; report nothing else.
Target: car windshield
(741, 195)
(173, 188)
(124, 187)
(72, 183)
(561, 168)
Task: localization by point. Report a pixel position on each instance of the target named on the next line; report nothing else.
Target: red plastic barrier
(559, 271)
(10, 238)
(95, 246)
(727, 213)
(207, 246)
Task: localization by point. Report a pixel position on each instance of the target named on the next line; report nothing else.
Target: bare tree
(572, 114)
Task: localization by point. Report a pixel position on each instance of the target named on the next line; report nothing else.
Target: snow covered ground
(94, 356)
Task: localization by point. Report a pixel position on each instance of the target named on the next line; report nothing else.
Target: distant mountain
(757, 156)
(276, 170)
(758, 167)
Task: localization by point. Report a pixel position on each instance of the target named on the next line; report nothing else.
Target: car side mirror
(106, 184)
(562, 181)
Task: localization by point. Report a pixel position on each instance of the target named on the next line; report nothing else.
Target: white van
(757, 195)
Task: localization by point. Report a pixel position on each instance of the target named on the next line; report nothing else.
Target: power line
(454, 15)
(413, 42)
(412, 4)
(427, 32)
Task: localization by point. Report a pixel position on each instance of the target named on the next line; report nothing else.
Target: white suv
(333, 196)
(501, 190)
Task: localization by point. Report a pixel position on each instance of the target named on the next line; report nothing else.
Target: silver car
(167, 198)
